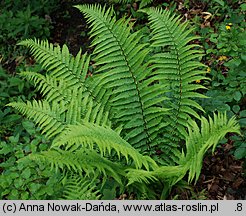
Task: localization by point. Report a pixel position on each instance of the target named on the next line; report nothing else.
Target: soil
(70, 27)
(222, 177)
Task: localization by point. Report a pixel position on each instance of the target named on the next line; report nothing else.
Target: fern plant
(135, 119)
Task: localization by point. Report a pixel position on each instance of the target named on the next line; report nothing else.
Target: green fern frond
(88, 134)
(121, 68)
(53, 117)
(77, 187)
(58, 61)
(82, 160)
(178, 64)
(170, 174)
(198, 141)
(53, 89)
(61, 64)
(66, 80)
(140, 176)
(50, 119)
(178, 69)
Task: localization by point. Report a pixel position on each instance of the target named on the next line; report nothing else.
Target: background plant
(224, 43)
(18, 137)
(20, 20)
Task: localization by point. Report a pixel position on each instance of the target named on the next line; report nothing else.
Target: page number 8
(239, 207)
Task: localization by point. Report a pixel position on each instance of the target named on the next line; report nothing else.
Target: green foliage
(225, 47)
(20, 20)
(222, 8)
(12, 88)
(84, 187)
(198, 142)
(228, 71)
(9, 87)
(177, 71)
(142, 3)
(22, 179)
(139, 101)
(18, 138)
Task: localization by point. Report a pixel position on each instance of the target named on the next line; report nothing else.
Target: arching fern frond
(53, 117)
(198, 141)
(53, 89)
(88, 134)
(62, 65)
(66, 80)
(82, 160)
(49, 118)
(58, 61)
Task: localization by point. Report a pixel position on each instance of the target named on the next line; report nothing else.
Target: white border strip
(123, 207)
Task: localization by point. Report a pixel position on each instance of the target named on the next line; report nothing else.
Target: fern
(53, 89)
(178, 69)
(87, 135)
(59, 62)
(49, 119)
(198, 141)
(80, 161)
(84, 187)
(66, 71)
(139, 100)
(135, 105)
